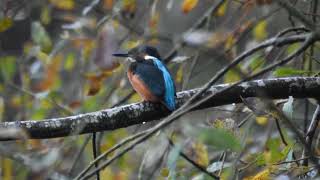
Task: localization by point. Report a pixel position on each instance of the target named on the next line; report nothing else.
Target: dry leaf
(95, 82)
(107, 4)
(51, 74)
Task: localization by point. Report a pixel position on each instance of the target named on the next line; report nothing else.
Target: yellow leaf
(43, 57)
(5, 23)
(164, 172)
(259, 31)
(7, 169)
(135, 98)
(63, 4)
(129, 6)
(179, 75)
(201, 153)
(107, 173)
(188, 5)
(262, 120)
(229, 42)
(222, 9)
(232, 76)
(69, 62)
(85, 44)
(15, 101)
(131, 44)
(263, 175)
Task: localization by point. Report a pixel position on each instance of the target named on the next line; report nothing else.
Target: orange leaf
(95, 86)
(81, 42)
(188, 5)
(129, 7)
(75, 104)
(107, 4)
(153, 23)
(50, 76)
(95, 82)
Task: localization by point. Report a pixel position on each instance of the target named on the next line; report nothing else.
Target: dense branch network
(137, 113)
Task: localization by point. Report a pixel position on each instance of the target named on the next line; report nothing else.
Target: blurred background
(56, 61)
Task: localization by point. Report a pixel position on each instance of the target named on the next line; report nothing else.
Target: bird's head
(140, 53)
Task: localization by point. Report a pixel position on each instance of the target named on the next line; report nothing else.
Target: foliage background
(56, 61)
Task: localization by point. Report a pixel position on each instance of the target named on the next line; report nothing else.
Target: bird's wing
(170, 90)
(152, 78)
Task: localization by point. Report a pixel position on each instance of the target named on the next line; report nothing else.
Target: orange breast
(140, 87)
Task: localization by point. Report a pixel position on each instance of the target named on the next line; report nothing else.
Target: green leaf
(292, 48)
(287, 71)
(256, 62)
(232, 76)
(41, 37)
(261, 160)
(277, 154)
(220, 138)
(45, 15)
(39, 113)
(8, 66)
(260, 31)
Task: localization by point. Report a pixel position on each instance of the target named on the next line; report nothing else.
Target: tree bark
(137, 113)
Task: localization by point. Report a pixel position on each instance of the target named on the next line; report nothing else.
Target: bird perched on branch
(149, 76)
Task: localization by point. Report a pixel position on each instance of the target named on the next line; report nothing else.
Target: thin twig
(294, 12)
(195, 164)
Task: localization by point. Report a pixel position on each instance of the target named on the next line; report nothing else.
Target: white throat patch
(147, 57)
(130, 59)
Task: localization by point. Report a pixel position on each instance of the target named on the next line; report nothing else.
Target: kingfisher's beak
(120, 54)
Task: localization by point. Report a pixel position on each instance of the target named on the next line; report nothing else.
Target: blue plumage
(149, 76)
(152, 77)
(169, 96)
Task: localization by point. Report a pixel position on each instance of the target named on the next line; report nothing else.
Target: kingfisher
(149, 76)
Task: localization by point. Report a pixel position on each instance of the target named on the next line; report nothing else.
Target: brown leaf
(51, 74)
(95, 82)
(107, 4)
(75, 104)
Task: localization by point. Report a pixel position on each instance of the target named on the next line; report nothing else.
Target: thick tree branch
(137, 113)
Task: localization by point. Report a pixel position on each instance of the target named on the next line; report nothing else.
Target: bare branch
(294, 12)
